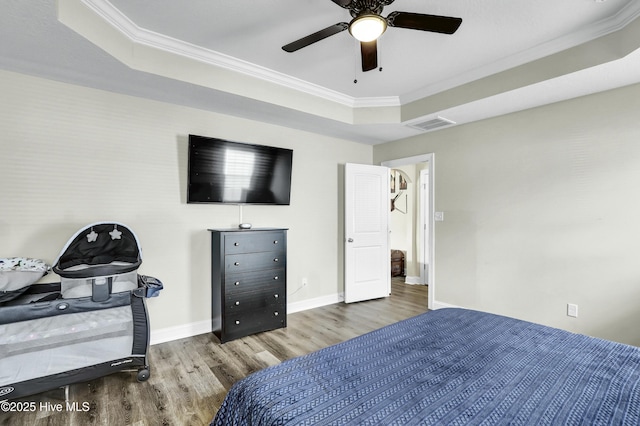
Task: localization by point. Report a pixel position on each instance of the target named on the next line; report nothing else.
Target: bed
(447, 367)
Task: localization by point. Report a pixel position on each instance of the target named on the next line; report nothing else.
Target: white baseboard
(193, 329)
(314, 303)
(441, 305)
(180, 332)
(412, 280)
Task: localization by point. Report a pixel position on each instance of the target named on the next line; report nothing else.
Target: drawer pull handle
(275, 313)
(275, 242)
(236, 283)
(237, 263)
(236, 244)
(275, 278)
(275, 295)
(237, 322)
(237, 303)
(275, 260)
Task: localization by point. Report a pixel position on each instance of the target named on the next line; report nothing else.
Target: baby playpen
(92, 323)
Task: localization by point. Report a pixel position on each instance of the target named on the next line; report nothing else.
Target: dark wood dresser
(248, 281)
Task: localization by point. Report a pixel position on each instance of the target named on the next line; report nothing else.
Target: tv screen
(222, 171)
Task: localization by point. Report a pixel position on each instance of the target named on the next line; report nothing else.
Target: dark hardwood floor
(190, 377)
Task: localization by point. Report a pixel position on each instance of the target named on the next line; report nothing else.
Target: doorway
(423, 258)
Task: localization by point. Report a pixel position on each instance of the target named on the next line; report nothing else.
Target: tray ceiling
(226, 56)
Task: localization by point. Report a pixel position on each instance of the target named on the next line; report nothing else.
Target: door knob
(350, 240)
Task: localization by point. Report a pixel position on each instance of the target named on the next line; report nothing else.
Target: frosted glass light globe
(367, 27)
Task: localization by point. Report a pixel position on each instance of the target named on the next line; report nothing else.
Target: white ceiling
(226, 56)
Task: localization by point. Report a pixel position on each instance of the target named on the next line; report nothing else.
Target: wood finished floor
(190, 377)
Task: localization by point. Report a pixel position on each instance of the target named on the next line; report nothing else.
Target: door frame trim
(425, 217)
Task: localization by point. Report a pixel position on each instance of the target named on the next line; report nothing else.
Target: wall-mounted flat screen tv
(222, 171)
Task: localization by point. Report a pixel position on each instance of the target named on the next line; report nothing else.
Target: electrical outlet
(572, 310)
(304, 282)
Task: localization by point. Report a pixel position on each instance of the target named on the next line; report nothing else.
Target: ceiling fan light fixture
(367, 27)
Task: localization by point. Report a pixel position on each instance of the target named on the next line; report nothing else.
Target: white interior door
(367, 256)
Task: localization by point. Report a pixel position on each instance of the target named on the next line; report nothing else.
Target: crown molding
(113, 16)
(615, 23)
(387, 101)
(110, 14)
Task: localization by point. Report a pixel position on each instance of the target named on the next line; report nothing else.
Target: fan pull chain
(379, 47)
(355, 62)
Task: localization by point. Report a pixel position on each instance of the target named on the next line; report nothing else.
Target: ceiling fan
(367, 25)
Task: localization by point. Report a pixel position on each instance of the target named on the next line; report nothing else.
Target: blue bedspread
(447, 367)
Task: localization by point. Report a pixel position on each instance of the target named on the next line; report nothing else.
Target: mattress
(447, 367)
(45, 346)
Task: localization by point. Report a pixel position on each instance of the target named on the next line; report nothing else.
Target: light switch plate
(439, 216)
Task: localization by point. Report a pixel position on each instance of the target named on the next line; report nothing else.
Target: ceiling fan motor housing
(360, 7)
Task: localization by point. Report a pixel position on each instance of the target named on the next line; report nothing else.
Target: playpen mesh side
(73, 288)
(46, 346)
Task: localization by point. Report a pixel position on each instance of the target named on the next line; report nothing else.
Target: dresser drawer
(252, 261)
(259, 300)
(255, 242)
(261, 280)
(244, 323)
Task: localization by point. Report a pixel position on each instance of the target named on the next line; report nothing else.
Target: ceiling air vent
(432, 123)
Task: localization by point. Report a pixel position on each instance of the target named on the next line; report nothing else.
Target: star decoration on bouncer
(115, 234)
(92, 236)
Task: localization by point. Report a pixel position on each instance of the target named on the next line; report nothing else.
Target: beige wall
(72, 156)
(542, 208)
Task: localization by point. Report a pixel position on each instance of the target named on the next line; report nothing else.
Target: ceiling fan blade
(369, 50)
(342, 3)
(317, 36)
(419, 21)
